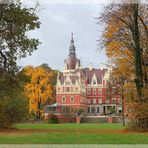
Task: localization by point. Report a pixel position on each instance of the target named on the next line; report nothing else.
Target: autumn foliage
(39, 89)
(125, 39)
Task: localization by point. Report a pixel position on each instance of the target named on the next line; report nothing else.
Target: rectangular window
(71, 99)
(92, 109)
(97, 109)
(67, 89)
(94, 101)
(99, 91)
(113, 100)
(107, 90)
(94, 91)
(94, 82)
(88, 109)
(88, 91)
(100, 100)
(107, 100)
(63, 99)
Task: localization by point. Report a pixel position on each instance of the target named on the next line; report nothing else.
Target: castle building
(85, 88)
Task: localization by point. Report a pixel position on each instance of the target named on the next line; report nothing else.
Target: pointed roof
(72, 59)
(72, 47)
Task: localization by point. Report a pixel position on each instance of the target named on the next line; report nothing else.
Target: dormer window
(94, 82)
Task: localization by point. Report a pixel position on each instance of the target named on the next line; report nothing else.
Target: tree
(39, 89)
(53, 81)
(12, 110)
(126, 41)
(119, 86)
(15, 22)
(14, 42)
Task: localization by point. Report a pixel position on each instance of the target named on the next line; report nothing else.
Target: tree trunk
(123, 109)
(138, 51)
(38, 113)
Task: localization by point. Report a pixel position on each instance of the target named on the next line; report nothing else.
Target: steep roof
(86, 74)
(97, 72)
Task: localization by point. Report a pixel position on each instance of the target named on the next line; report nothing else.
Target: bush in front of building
(52, 118)
(67, 119)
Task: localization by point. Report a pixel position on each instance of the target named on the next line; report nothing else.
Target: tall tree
(39, 89)
(53, 81)
(126, 37)
(126, 42)
(15, 22)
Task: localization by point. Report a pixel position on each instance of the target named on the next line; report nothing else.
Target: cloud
(58, 18)
(57, 23)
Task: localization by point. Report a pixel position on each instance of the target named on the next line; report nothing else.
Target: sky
(58, 20)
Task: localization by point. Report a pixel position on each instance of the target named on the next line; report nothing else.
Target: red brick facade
(85, 88)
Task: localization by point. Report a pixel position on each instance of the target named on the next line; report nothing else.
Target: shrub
(67, 119)
(52, 118)
(12, 110)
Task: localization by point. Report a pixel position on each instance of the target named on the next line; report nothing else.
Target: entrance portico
(105, 109)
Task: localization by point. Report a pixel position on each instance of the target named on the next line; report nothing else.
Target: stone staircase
(96, 119)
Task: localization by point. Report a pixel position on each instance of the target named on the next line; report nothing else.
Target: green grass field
(71, 134)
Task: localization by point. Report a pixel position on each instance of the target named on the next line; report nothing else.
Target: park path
(99, 131)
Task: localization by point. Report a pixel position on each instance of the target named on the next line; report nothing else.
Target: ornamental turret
(72, 62)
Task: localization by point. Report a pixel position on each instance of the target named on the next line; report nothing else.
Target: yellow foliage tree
(39, 89)
(121, 37)
(126, 43)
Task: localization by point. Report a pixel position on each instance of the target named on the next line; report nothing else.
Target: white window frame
(99, 101)
(88, 91)
(72, 97)
(114, 100)
(99, 91)
(107, 100)
(98, 109)
(94, 81)
(63, 99)
(94, 101)
(94, 91)
(93, 109)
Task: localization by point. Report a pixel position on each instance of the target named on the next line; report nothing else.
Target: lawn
(71, 134)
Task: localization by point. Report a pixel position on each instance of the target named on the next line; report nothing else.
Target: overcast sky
(57, 23)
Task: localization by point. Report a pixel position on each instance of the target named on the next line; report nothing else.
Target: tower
(71, 63)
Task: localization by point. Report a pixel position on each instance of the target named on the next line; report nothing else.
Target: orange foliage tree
(126, 38)
(126, 43)
(39, 89)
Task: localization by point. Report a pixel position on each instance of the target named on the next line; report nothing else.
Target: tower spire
(72, 47)
(72, 40)
(72, 62)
